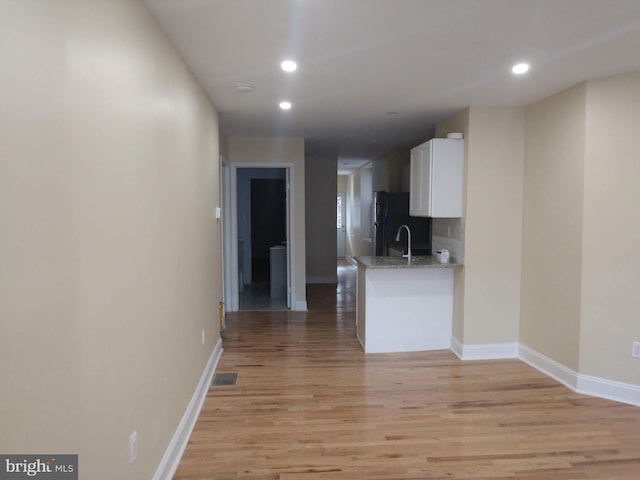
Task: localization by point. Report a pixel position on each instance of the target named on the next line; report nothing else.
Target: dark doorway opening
(263, 262)
(268, 223)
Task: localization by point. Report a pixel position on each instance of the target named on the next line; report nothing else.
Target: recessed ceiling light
(243, 87)
(289, 66)
(520, 68)
(285, 105)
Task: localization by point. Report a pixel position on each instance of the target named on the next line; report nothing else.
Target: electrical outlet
(133, 446)
(203, 337)
(635, 351)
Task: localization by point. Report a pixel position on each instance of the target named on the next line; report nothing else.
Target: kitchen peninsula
(404, 306)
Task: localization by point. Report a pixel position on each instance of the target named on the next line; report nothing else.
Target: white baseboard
(609, 389)
(299, 306)
(585, 384)
(322, 279)
(549, 367)
(178, 443)
(457, 347)
(488, 351)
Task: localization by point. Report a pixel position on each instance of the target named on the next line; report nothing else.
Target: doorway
(262, 238)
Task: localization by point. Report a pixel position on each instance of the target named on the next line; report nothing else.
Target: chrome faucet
(408, 255)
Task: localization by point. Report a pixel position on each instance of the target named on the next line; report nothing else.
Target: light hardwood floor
(308, 405)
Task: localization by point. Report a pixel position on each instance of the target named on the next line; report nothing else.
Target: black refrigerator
(390, 211)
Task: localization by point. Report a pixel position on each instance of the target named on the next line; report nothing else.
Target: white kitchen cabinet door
(437, 169)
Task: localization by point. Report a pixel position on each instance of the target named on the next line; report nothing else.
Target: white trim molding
(559, 372)
(457, 347)
(298, 306)
(232, 281)
(488, 351)
(609, 389)
(585, 384)
(173, 454)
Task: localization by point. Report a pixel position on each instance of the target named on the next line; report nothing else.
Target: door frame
(231, 275)
(227, 238)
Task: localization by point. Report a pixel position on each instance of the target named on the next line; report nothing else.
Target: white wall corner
(550, 367)
(609, 389)
(486, 351)
(173, 454)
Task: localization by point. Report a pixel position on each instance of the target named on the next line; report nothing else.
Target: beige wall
(488, 287)
(320, 193)
(398, 159)
(610, 276)
(553, 208)
(223, 145)
(493, 225)
(343, 183)
(251, 151)
(380, 175)
(110, 252)
(580, 305)
(388, 170)
(458, 123)
(552, 193)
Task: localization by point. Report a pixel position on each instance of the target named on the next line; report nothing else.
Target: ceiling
(376, 75)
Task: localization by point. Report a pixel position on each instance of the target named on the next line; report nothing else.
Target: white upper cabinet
(437, 169)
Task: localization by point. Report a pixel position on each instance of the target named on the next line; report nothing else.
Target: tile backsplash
(448, 233)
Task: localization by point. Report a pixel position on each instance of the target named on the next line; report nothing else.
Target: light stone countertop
(418, 261)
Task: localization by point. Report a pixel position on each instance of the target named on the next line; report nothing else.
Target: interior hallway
(309, 405)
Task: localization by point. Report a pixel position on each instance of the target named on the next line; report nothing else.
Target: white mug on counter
(442, 255)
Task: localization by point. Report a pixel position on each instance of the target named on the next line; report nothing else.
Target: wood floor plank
(309, 405)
